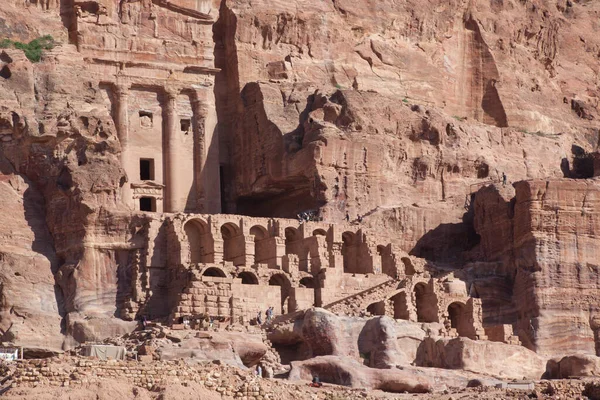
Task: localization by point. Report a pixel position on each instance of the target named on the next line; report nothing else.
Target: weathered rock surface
(384, 343)
(232, 348)
(349, 372)
(483, 357)
(362, 149)
(544, 242)
(31, 306)
(576, 365)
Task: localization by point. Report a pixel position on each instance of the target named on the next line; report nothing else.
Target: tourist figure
(359, 218)
(269, 314)
(259, 371)
(144, 322)
(259, 318)
(503, 179)
(316, 382)
(347, 217)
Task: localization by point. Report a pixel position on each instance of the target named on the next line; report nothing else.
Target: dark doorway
(148, 204)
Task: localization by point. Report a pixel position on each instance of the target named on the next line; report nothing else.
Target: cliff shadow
(447, 242)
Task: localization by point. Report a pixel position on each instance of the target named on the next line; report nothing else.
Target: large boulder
(349, 372)
(577, 365)
(387, 343)
(327, 334)
(240, 350)
(492, 358)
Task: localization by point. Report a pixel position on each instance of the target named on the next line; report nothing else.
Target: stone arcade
(229, 267)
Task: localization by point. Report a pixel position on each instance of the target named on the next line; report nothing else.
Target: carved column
(200, 112)
(208, 183)
(171, 150)
(121, 118)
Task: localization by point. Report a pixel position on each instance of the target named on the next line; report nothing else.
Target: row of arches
(426, 305)
(250, 278)
(202, 244)
(356, 254)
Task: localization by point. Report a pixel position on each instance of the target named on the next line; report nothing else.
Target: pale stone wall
(80, 371)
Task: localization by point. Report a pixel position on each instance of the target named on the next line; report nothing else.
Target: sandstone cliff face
(57, 134)
(30, 311)
(544, 242)
(394, 110)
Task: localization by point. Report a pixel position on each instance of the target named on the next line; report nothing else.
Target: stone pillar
(200, 113)
(375, 259)
(173, 198)
(279, 252)
(250, 250)
(121, 118)
(208, 182)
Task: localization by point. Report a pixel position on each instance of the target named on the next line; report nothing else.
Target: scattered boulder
(492, 358)
(349, 372)
(240, 350)
(576, 365)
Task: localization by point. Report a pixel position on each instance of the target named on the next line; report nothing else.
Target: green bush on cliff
(34, 49)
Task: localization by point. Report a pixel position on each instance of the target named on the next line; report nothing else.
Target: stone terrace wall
(223, 379)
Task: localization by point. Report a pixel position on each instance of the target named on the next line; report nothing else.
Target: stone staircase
(356, 304)
(271, 360)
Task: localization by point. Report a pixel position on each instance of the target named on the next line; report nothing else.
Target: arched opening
(261, 245)
(400, 303)
(284, 283)
(234, 247)
(355, 252)
(377, 308)
(349, 252)
(388, 266)
(291, 235)
(319, 232)
(459, 319)
(200, 240)
(426, 303)
(409, 268)
(214, 272)
(295, 245)
(248, 278)
(308, 282)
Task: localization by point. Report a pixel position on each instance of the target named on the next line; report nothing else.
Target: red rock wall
(547, 240)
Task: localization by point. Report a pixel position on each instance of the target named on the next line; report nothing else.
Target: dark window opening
(5, 72)
(146, 119)
(148, 204)
(146, 169)
(185, 125)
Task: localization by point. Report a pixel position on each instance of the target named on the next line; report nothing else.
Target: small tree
(34, 49)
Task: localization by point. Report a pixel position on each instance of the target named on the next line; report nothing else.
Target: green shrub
(34, 49)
